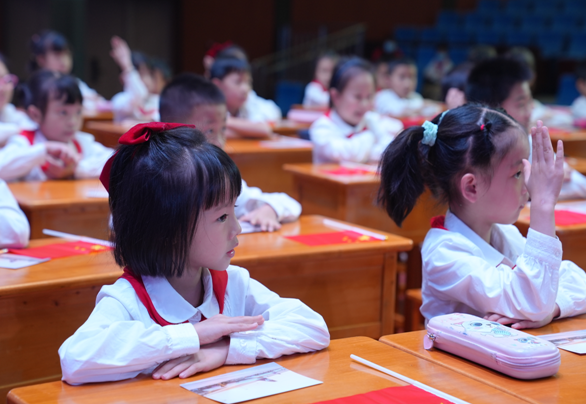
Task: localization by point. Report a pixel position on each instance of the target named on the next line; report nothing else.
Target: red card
(391, 395)
(338, 237)
(60, 250)
(568, 218)
(348, 171)
(414, 121)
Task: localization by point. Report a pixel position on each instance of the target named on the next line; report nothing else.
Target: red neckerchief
(30, 136)
(321, 85)
(219, 281)
(438, 222)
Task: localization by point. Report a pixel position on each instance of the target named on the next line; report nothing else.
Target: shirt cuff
(565, 304)
(183, 339)
(544, 248)
(242, 349)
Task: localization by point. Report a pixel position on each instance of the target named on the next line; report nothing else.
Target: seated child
(350, 130)
(194, 100)
(57, 149)
(50, 50)
(454, 84)
(140, 99)
(316, 92)
(14, 228)
(248, 117)
(504, 82)
(579, 104)
(400, 98)
(12, 121)
(222, 51)
(474, 259)
(176, 253)
(381, 73)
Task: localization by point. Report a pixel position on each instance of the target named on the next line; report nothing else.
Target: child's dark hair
(491, 81)
(347, 68)
(3, 60)
(456, 78)
(185, 92)
(140, 59)
(327, 54)
(158, 191)
(43, 42)
(581, 70)
(401, 61)
(45, 84)
(224, 66)
(468, 137)
(232, 51)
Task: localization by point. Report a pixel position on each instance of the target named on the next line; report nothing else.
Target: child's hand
(265, 217)
(209, 357)
(63, 152)
(57, 169)
(121, 54)
(543, 178)
(219, 326)
(520, 324)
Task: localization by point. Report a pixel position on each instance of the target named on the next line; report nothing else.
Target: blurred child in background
(14, 228)
(316, 92)
(579, 104)
(454, 85)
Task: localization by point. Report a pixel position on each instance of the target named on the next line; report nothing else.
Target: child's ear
(334, 95)
(34, 113)
(469, 187)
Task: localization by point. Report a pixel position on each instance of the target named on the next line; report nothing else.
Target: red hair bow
(140, 133)
(217, 47)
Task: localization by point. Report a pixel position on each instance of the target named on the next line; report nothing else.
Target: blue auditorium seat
(406, 34)
(567, 92)
(489, 38)
(517, 38)
(458, 55)
(550, 44)
(489, 6)
(288, 93)
(577, 46)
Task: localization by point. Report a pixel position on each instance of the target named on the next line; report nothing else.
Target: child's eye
(518, 174)
(223, 218)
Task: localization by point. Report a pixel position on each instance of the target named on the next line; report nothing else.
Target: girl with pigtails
(475, 260)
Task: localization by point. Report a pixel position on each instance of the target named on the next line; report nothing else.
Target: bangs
(66, 89)
(55, 42)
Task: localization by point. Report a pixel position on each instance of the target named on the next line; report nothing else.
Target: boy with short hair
(400, 98)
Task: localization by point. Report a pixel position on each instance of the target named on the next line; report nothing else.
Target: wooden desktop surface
(287, 127)
(341, 377)
(351, 285)
(567, 386)
(63, 205)
(574, 141)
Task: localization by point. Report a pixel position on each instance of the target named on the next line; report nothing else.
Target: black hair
(522, 54)
(468, 137)
(480, 53)
(158, 191)
(232, 51)
(140, 59)
(456, 78)
(327, 54)
(43, 42)
(224, 66)
(46, 84)
(581, 70)
(159, 65)
(491, 81)
(400, 61)
(347, 68)
(3, 60)
(185, 92)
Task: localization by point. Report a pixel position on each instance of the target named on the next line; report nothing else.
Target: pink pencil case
(506, 350)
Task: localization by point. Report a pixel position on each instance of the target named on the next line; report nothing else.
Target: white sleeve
(14, 227)
(575, 188)
(7, 130)
(315, 96)
(135, 95)
(388, 105)
(331, 147)
(252, 198)
(94, 156)
(571, 295)
(113, 345)
(385, 130)
(579, 107)
(528, 291)
(290, 327)
(18, 158)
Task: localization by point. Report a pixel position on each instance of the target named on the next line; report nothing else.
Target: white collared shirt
(579, 107)
(14, 227)
(21, 160)
(252, 198)
(120, 340)
(12, 122)
(135, 102)
(316, 95)
(387, 102)
(513, 276)
(258, 109)
(336, 141)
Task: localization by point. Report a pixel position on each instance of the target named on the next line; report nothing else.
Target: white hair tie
(429, 133)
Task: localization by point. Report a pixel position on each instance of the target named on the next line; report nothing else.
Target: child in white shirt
(57, 149)
(192, 99)
(14, 228)
(400, 99)
(475, 260)
(579, 104)
(317, 94)
(350, 131)
(180, 308)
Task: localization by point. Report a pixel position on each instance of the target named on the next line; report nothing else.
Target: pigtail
(402, 180)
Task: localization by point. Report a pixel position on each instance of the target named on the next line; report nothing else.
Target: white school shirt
(21, 160)
(119, 340)
(579, 107)
(514, 276)
(91, 98)
(258, 109)
(387, 102)
(135, 102)
(13, 121)
(336, 141)
(316, 95)
(252, 198)
(14, 228)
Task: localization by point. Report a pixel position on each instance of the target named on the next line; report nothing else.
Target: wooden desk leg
(389, 288)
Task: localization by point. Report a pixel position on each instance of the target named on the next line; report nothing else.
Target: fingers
(547, 147)
(526, 324)
(526, 171)
(559, 163)
(164, 368)
(492, 316)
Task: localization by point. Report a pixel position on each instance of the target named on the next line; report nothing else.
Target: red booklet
(391, 395)
(337, 237)
(568, 218)
(60, 250)
(348, 171)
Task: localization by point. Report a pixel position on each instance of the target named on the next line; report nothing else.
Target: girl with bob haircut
(172, 199)
(350, 130)
(475, 260)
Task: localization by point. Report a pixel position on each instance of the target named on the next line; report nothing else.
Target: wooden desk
(567, 386)
(107, 133)
(63, 205)
(351, 285)
(574, 141)
(287, 127)
(340, 375)
(573, 238)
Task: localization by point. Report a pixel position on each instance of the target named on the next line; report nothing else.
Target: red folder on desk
(337, 237)
(568, 218)
(391, 395)
(60, 250)
(348, 171)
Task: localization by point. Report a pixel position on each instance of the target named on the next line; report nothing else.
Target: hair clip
(482, 127)
(429, 133)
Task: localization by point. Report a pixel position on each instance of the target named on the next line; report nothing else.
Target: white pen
(68, 236)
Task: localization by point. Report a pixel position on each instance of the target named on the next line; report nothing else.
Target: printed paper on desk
(285, 142)
(573, 341)
(13, 261)
(96, 193)
(247, 227)
(249, 384)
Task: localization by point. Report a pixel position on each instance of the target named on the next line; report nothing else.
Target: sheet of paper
(14, 261)
(573, 341)
(249, 384)
(285, 142)
(96, 193)
(249, 228)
